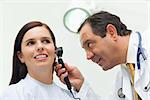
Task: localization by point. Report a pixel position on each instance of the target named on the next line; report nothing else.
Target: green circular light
(74, 17)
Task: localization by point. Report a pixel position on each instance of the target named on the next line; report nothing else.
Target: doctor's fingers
(67, 67)
(62, 76)
(61, 71)
(58, 67)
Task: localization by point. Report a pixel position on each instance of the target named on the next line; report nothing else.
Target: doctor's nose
(89, 55)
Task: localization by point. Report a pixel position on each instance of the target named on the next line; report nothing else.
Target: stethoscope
(141, 53)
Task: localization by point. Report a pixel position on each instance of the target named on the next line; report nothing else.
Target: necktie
(132, 72)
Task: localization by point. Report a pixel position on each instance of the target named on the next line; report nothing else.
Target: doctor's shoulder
(146, 36)
(146, 43)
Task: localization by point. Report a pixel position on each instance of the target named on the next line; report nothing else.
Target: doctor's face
(99, 50)
(37, 49)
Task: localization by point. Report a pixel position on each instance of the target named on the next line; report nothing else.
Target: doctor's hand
(74, 75)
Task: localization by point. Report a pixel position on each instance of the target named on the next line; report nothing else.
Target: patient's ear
(20, 56)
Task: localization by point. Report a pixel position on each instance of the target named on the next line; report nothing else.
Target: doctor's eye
(89, 44)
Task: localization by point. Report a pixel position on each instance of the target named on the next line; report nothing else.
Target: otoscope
(59, 52)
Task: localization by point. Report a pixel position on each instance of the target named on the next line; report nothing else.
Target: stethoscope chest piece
(120, 94)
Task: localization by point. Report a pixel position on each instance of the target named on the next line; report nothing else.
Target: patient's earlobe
(20, 56)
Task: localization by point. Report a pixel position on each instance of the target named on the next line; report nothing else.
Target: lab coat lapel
(127, 89)
(142, 78)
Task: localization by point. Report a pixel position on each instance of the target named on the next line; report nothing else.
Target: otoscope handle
(66, 79)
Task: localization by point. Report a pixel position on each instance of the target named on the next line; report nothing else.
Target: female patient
(33, 63)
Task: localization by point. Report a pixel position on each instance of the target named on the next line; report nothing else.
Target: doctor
(108, 42)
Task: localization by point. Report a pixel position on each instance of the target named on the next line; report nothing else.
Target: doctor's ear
(112, 31)
(20, 56)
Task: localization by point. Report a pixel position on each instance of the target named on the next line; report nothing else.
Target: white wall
(14, 14)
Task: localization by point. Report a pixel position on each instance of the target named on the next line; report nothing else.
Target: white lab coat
(142, 76)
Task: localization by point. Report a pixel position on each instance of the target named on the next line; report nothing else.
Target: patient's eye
(46, 41)
(30, 43)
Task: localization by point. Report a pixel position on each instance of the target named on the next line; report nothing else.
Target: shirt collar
(32, 81)
(132, 48)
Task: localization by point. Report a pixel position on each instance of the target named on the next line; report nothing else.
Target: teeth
(40, 56)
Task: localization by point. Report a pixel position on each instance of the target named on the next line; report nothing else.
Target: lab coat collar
(132, 48)
(35, 83)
